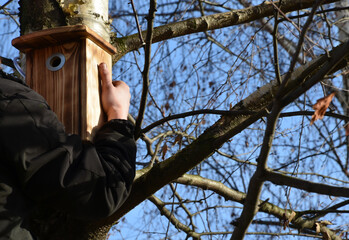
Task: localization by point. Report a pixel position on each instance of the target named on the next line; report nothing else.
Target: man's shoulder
(9, 87)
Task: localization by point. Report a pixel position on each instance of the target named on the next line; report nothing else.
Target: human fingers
(104, 74)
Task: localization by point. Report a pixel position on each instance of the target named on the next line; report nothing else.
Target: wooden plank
(94, 116)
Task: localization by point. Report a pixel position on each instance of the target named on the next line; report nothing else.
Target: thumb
(104, 75)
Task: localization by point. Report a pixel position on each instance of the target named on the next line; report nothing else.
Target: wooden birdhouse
(61, 65)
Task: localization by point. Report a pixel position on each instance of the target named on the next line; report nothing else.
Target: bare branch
(281, 179)
(6, 61)
(205, 145)
(211, 22)
(164, 211)
(145, 73)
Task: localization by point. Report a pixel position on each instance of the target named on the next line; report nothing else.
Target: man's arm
(87, 180)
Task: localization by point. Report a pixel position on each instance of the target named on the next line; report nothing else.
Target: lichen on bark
(46, 14)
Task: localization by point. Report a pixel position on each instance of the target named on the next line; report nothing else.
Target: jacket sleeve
(87, 180)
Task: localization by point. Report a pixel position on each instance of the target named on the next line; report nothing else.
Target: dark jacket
(40, 165)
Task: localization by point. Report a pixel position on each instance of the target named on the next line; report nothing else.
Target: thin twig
(145, 73)
(335, 9)
(275, 43)
(5, 4)
(232, 113)
(251, 206)
(300, 43)
(8, 62)
(164, 211)
(137, 23)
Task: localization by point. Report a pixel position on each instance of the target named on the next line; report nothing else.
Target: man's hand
(115, 95)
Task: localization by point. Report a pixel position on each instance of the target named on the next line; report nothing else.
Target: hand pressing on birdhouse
(115, 95)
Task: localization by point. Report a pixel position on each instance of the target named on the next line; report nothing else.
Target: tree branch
(281, 179)
(151, 180)
(264, 206)
(6, 61)
(211, 22)
(164, 211)
(145, 73)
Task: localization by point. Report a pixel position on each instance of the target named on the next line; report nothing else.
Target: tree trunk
(55, 13)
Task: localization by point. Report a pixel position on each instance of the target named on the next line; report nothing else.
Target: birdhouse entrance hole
(55, 62)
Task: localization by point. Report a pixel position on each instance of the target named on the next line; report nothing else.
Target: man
(43, 167)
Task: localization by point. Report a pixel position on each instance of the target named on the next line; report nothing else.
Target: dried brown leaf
(178, 139)
(346, 127)
(167, 106)
(164, 150)
(320, 107)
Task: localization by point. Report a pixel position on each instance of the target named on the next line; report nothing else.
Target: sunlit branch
(229, 194)
(211, 22)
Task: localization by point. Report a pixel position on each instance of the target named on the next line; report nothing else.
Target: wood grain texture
(94, 116)
(61, 88)
(73, 92)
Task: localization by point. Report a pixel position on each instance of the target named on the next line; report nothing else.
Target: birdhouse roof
(60, 35)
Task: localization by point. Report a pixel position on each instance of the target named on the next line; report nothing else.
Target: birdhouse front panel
(55, 73)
